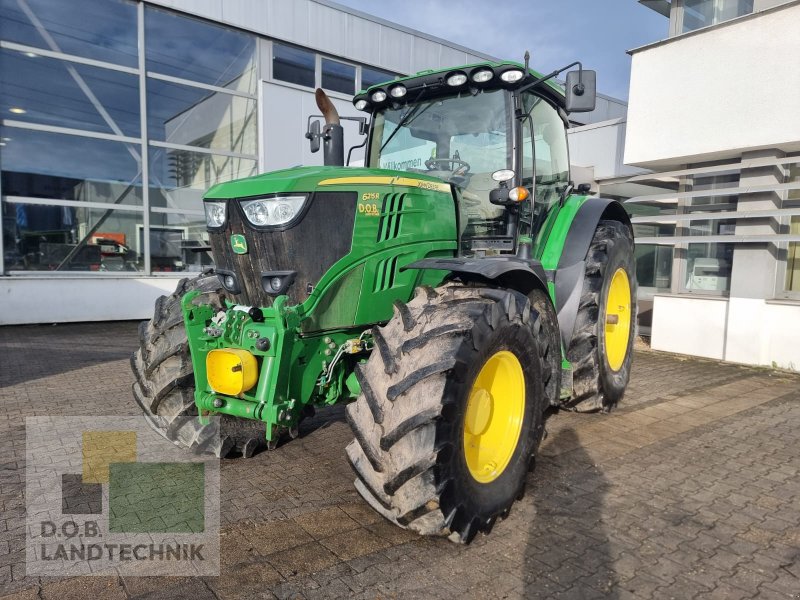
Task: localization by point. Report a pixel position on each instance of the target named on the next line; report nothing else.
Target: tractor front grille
(309, 248)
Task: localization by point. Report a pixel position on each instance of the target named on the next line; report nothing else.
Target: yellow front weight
(231, 371)
(494, 416)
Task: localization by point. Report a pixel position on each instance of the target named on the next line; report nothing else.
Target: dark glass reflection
(69, 167)
(100, 29)
(70, 238)
(293, 65)
(196, 117)
(173, 240)
(49, 92)
(193, 49)
(370, 77)
(338, 77)
(179, 178)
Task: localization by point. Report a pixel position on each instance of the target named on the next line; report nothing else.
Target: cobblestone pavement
(689, 490)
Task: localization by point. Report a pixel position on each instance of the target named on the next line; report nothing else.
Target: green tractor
(451, 291)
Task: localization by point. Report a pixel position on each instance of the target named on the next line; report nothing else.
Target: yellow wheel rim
(493, 421)
(618, 319)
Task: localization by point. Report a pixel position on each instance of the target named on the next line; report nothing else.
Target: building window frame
(269, 75)
(140, 144)
(792, 204)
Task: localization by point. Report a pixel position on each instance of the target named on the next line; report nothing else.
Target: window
(192, 49)
(51, 92)
(75, 168)
(72, 149)
(99, 29)
(370, 77)
(702, 13)
(194, 116)
(293, 65)
(462, 139)
(791, 283)
(545, 162)
(70, 238)
(338, 77)
(653, 261)
(708, 265)
(793, 259)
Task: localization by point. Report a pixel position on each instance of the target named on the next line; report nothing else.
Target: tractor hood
(309, 179)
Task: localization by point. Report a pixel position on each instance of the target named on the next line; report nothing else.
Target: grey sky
(557, 32)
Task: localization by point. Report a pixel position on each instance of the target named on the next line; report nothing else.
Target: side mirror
(581, 91)
(313, 136)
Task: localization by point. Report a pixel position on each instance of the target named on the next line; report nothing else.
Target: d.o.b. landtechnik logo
(109, 494)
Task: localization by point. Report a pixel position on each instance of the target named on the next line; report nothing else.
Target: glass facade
(702, 13)
(791, 283)
(338, 77)
(78, 171)
(293, 65)
(653, 261)
(708, 265)
(681, 244)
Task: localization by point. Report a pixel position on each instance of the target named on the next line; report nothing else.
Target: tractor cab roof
(473, 77)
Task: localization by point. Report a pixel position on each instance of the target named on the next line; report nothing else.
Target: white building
(116, 116)
(714, 112)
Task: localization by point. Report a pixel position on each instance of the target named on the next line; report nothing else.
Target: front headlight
(215, 213)
(272, 211)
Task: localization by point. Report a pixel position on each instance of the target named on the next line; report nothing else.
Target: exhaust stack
(333, 133)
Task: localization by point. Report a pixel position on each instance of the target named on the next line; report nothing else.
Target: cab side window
(551, 158)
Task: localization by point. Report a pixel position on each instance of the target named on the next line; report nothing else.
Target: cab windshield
(461, 139)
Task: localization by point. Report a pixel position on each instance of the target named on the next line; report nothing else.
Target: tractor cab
(496, 132)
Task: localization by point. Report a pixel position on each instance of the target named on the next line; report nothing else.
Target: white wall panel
(600, 145)
(327, 29)
(715, 93)
(73, 299)
(362, 40)
(693, 326)
(395, 50)
(284, 116)
(744, 330)
(425, 54)
(289, 21)
(748, 336)
(451, 57)
(248, 14)
(783, 322)
(209, 9)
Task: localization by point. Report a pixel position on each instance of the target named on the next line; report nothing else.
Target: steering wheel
(444, 165)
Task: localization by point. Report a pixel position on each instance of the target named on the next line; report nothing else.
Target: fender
(569, 273)
(507, 271)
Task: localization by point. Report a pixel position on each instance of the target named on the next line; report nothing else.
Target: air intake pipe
(332, 134)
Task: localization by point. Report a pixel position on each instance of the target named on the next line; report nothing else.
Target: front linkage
(296, 371)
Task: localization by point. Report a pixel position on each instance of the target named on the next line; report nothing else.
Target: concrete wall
(81, 298)
(712, 94)
(744, 330)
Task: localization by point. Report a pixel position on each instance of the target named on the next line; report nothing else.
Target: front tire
(164, 385)
(601, 350)
(430, 414)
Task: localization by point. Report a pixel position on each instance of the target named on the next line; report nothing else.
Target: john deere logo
(239, 243)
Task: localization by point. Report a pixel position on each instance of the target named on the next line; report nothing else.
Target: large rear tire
(451, 410)
(601, 350)
(164, 386)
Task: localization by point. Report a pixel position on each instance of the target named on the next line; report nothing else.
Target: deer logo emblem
(239, 243)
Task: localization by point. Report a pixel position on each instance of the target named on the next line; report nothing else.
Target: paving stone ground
(689, 490)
